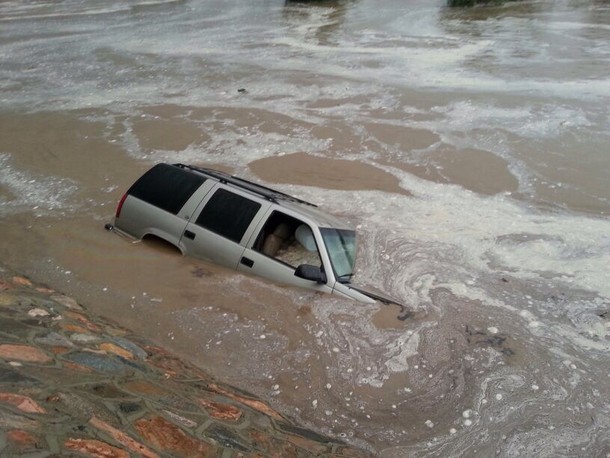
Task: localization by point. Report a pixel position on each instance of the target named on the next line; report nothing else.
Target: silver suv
(242, 225)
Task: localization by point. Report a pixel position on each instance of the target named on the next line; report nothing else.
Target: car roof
(302, 207)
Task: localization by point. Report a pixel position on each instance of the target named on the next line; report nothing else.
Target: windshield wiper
(345, 278)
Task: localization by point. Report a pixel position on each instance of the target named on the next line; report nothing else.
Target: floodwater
(469, 147)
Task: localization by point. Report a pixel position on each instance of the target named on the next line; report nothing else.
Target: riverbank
(75, 384)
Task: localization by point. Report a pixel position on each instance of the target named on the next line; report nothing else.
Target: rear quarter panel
(139, 218)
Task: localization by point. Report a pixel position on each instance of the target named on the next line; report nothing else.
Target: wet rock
(53, 339)
(83, 320)
(100, 363)
(10, 420)
(23, 403)
(78, 407)
(7, 300)
(84, 338)
(13, 377)
(172, 366)
(227, 438)
(112, 348)
(70, 327)
(21, 281)
(130, 407)
(14, 329)
(271, 446)
(95, 448)
(67, 302)
(4, 285)
(185, 422)
(107, 390)
(252, 403)
(219, 411)
(165, 436)
(303, 437)
(145, 388)
(23, 353)
(20, 442)
(123, 438)
(131, 347)
(37, 312)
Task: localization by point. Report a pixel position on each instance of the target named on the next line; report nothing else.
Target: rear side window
(166, 187)
(228, 214)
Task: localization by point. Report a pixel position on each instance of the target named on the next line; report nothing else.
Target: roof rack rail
(263, 191)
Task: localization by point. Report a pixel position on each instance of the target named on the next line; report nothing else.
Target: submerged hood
(373, 293)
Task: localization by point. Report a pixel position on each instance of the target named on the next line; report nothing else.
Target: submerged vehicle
(242, 225)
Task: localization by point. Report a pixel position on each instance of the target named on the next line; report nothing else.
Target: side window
(288, 240)
(166, 187)
(228, 214)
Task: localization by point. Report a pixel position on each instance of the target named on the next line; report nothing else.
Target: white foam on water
(19, 11)
(446, 236)
(528, 121)
(33, 193)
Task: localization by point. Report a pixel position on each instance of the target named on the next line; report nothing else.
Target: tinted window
(166, 187)
(228, 214)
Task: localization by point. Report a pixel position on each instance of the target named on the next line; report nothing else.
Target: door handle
(246, 261)
(189, 235)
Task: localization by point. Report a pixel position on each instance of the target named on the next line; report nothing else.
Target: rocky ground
(73, 384)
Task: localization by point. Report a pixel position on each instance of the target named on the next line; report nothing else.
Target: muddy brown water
(469, 149)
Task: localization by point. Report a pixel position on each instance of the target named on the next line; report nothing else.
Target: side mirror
(309, 272)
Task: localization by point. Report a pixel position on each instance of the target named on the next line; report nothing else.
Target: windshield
(341, 247)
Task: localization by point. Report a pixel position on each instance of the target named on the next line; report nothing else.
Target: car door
(223, 220)
(278, 247)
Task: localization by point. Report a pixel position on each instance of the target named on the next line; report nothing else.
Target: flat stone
(21, 281)
(107, 390)
(23, 353)
(129, 407)
(100, 363)
(123, 438)
(305, 433)
(271, 446)
(70, 327)
(112, 348)
(95, 448)
(306, 439)
(174, 367)
(10, 420)
(227, 438)
(42, 289)
(7, 300)
(84, 338)
(83, 320)
(8, 375)
(66, 301)
(166, 436)
(252, 403)
(15, 328)
(54, 339)
(77, 367)
(134, 349)
(23, 403)
(78, 406)
(21, 441)
(221, 411)
(37, 312)
(186, 422)
(143, 387)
